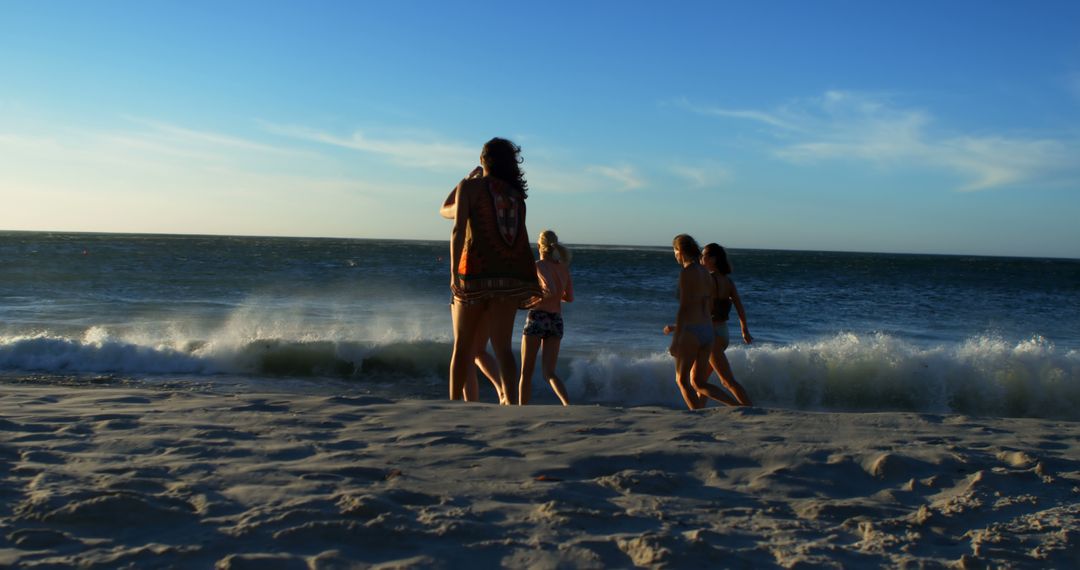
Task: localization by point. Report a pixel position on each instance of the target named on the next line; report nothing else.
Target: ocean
(833, 331)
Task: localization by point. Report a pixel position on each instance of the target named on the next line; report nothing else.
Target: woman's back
(496, 257)
(555, 283)
(696, 294)
(721, 309)
(496, 211)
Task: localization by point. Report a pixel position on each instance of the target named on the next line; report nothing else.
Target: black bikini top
(721, 309)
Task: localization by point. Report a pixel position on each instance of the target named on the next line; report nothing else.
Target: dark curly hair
(503, 159)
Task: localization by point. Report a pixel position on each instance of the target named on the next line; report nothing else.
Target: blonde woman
(544, 324)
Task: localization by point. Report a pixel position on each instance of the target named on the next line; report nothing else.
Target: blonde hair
(550, 247)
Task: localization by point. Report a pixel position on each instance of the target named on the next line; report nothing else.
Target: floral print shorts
(543, 324)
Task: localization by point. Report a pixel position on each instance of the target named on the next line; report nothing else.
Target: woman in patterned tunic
(492, 272)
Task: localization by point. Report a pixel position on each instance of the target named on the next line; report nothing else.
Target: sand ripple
(109, 477)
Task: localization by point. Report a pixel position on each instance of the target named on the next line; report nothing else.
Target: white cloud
(625, 175)
(557, 180)
(759, 116)
(160, 177)
(423, 153)
(998, 161)
(843, 125)
(546, 170)
(185, 136)
(561, 178)
(702, 175)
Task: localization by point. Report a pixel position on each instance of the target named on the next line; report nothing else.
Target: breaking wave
(98, 352)
(849, 372)
(846, 372)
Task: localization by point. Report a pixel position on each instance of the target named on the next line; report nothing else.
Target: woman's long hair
(687, 246)
(504, 160)
(719, 257)
(550, 247)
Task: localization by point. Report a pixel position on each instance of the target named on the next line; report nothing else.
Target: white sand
(132, 477)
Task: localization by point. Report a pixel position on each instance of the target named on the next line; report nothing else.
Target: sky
(915, 127)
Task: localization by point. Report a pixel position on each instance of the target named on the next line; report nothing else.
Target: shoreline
(109, 476)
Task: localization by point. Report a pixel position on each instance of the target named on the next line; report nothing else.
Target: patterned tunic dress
(497, 261)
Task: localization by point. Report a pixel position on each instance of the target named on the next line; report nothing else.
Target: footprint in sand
(39, 538)
(36, 456)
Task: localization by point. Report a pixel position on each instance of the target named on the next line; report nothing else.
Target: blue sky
(939, 127)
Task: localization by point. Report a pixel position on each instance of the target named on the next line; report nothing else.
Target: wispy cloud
(546, 169)
(770, 119)
(153, 156)
(625, 175)
(842, 125)
(999, 161)
(419, 152)
(183, 135)
(702, 175)
(160, 177)
(563, 178)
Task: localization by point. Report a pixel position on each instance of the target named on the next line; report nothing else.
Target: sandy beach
(120, 476)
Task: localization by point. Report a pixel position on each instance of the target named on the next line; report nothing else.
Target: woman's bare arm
(735, 300)
(448, 208)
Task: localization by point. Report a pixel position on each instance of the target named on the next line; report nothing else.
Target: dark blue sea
(834, 331)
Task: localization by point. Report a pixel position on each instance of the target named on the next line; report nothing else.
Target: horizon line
(581, 245)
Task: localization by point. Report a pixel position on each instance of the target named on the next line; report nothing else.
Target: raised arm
(448, 206)
(447, 209)
(457, 234)
(742, 313)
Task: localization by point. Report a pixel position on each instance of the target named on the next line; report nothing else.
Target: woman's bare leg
(550, 359)
(472, 385)
(484, 362)
(487, 365)
(719, 362)
(700, 376)
(686, 350)
(468, 325)
(501, 315)
(529, 346)
(699, 399)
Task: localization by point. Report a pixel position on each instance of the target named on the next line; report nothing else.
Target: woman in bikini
(692, 342)
(715, 260)
(544, 325)
(491, 266)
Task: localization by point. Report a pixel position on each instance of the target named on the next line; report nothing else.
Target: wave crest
(98, 352)
(847, 372)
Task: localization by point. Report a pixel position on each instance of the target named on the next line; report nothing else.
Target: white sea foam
(981, 376)
(95, 351)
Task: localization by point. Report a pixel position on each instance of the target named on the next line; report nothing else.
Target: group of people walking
(493, 274)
